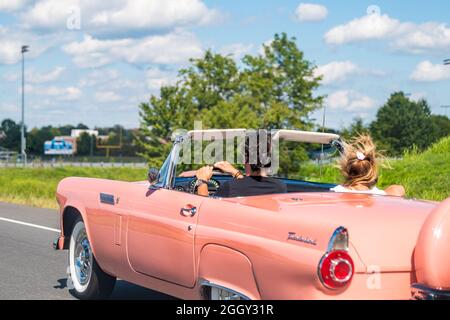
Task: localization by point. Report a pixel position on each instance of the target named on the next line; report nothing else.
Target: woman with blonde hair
(359, 168)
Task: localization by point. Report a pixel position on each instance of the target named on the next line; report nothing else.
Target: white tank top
(374, 190)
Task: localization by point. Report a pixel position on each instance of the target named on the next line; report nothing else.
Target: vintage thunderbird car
(310, 243)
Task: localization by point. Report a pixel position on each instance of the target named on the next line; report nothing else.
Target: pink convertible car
(309, 243)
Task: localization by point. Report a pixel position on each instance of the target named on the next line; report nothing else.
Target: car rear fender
(227, 268)
(431, 255)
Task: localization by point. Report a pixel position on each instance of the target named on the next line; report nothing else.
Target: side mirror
(153, 175)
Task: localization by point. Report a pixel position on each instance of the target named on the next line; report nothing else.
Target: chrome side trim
(206, 283)
(339, 240)
(421, 292)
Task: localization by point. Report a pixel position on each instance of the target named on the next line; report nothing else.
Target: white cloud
(402, 36)
(156, 78)
(36, 77)
(237, 50)
(99, 76)
(50, 14)
(336, 71)
(267, 43)
(32, 76)
(124, 84)
(105, 80)
(176, 47)
(8, 108)
(416, 96)
(349, 100)
(12, 41)
(119, 16)
(61, 93)
(12, 5)
(306, 12)
(429, 72)
(107, 96)
(155, 14)
(423, 38)
(369, 27)
(10, 77)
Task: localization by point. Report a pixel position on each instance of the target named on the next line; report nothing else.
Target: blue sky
(94, 61)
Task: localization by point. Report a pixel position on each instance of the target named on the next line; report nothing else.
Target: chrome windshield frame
(168, 180)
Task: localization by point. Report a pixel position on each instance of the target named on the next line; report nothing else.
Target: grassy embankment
(424, 175)
(36, 186)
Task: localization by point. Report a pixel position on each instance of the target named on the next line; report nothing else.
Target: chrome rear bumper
(421, 292)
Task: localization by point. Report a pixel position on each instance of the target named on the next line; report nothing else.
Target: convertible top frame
(168, 180)
(281, 134)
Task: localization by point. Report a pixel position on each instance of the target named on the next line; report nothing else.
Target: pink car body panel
(242, 243)
(432, 254)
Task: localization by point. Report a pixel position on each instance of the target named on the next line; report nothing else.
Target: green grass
(36, 186)
(424, 175)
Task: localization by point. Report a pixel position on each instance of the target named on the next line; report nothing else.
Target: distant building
(76, 133)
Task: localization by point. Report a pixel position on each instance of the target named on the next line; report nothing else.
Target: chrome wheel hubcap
(83, 258)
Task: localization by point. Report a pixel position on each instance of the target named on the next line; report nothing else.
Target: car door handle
(188, 211)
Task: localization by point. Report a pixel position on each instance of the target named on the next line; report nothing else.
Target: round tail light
(336, 269)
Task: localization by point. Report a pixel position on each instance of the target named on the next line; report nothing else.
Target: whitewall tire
(88, 280)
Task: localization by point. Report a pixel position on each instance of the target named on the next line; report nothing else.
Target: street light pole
(22, 127)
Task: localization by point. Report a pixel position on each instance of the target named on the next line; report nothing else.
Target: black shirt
(250, 186)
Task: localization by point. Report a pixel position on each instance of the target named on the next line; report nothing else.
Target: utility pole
(92, 146)
(446, 63)
(446, 110)
(22, 126)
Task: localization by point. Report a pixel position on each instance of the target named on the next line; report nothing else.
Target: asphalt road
(31, 269)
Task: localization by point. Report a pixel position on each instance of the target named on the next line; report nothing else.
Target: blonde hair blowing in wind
(358, 163)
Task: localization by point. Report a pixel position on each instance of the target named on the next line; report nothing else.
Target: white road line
(29, 224)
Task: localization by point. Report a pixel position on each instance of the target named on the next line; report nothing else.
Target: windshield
(303, 161)
(163, 172)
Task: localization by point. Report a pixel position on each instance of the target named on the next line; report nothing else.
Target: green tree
(84, 142)
(270, 90)
(441, 126)
(65, 130)
(37, 137)
(356, 128)
(401, 124)
(11, 135)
